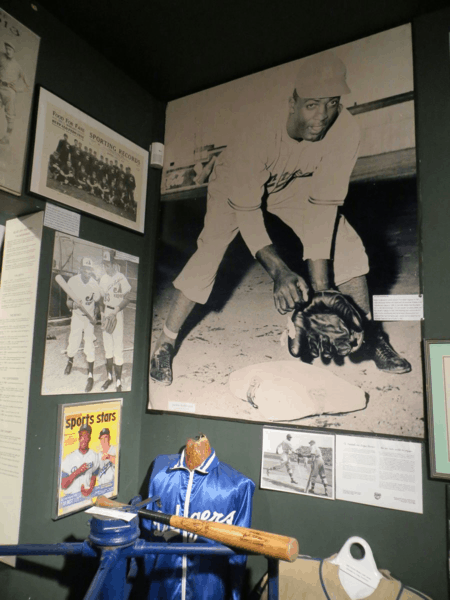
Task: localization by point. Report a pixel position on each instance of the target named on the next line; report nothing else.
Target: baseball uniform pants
(113, 342)
(314, 225)
(79, 325)
(8, 99)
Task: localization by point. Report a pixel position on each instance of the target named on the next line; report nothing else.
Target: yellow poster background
(98, 415)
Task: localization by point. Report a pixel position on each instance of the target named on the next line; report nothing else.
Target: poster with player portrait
(91, 319)
(83, 164)
(19, 48)
(298, 462)
(88, 454)
(294, 180)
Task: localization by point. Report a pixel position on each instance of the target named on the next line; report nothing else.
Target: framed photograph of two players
(88, 454)
(83, 164)
(91, 318)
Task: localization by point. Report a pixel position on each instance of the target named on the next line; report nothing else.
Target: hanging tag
(358, 577)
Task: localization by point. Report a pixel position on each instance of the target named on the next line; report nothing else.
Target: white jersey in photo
(73, 461)
(107, 468)
(113, 289)
(88, 293)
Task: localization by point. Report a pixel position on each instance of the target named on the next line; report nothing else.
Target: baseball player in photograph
(115, 291)
(317, 467)
(285, 451)
(63, 149)
(81, 467)
(300, 172)
(12, 81)
(86, 288)
(107, 458)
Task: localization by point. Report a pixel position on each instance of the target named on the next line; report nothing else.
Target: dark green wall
(413, 547)
(72, 70)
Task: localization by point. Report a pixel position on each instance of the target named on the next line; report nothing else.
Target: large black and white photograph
(91, 319)
(19, 48)
(289, 202)
(83, 164)
(298, 462)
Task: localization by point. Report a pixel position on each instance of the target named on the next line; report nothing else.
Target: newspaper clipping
(88, 454)
(81, 163)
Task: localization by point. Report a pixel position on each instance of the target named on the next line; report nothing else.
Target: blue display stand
(117, 544)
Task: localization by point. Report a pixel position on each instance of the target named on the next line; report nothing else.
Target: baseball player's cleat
(118, 387)
(68, 368)
(387, 359)
(293, 481)
(106, 385)
(89, 384)
(161, 365)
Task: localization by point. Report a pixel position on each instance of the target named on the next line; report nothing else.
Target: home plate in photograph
(286, 390)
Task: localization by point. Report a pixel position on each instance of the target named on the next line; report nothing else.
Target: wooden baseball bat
(257, 542)
(62, 283)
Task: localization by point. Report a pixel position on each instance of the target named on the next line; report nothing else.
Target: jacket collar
(207, 465)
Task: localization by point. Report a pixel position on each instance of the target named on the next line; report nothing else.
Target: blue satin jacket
(214, 491)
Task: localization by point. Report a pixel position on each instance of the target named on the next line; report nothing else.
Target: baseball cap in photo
(108, 256)
(312, 442)
(87, 262)
(104, 431)
(322, 75)
(85, 427)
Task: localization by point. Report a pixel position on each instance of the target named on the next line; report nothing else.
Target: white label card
(398, 308)
(111, 513)
(62, 219)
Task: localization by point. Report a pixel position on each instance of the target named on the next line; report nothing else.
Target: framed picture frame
(105, 281)
(298, 462)
(235, 329)
(85, 165)
(19, 47)
(437, 364)
(87, 454)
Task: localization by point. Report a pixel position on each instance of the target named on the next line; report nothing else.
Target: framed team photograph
(19, 48)
(298, 462)
(437, 364)
(88, 454)
(83, 164)
(91, 319)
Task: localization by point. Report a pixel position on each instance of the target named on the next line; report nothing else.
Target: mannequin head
(197, 450)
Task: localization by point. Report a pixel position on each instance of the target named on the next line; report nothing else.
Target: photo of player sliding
(298, 462)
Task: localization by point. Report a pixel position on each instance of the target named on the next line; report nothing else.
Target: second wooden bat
(63, 284)
(258, 542)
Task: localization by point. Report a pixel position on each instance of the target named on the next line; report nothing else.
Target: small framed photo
(437, 363)
(19, 48)
(298, 462)
(88, 454)
(83, 164)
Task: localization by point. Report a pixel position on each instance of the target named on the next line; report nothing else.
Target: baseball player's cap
(108, 256)
(322, 76)
(312, 442)
(87, 263)
(10, 44)
(104, 431)
(85, 427)
(289, 436)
